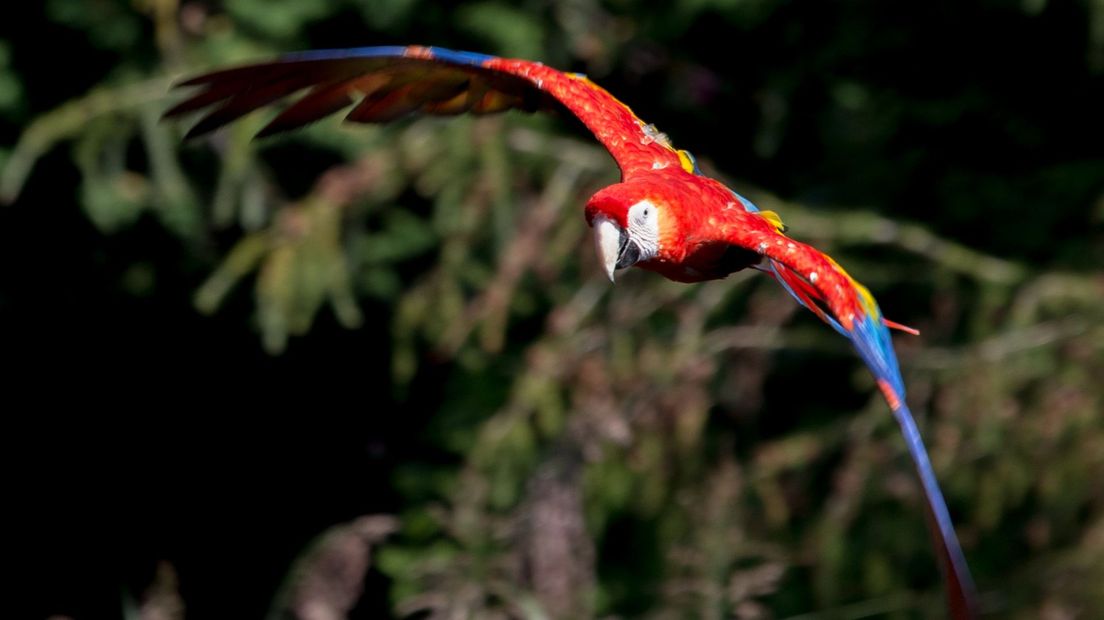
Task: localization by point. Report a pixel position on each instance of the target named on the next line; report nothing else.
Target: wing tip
(179, 109)
(196, 132)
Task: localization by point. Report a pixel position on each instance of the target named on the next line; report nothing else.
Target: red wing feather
(387, 83)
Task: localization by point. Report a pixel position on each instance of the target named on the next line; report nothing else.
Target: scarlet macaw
(664, 216)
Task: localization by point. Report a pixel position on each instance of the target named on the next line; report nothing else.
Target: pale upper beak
(615, 249)
(607, 241)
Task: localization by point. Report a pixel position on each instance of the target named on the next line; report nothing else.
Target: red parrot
(664, 216)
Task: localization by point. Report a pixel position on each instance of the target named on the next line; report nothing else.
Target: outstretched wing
(387, 83)
(821, 285)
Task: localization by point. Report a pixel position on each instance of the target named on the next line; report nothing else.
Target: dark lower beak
(629, 253)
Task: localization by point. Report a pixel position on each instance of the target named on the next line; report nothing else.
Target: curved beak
(615, 250)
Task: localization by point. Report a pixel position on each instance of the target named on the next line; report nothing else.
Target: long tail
(870, 338)
(869, 334)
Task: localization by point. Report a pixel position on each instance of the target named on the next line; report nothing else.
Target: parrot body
(664, 215)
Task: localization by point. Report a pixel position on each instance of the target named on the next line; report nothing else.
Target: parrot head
(631, 225)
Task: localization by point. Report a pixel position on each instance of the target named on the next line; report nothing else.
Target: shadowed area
(376, 371)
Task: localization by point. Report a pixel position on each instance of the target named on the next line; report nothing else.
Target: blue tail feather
(871, 339)
(961, 593)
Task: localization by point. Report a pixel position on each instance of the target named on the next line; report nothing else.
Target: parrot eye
(641, 213)
(643, 228)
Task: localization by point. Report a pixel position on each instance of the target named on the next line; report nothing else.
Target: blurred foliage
(656, 450)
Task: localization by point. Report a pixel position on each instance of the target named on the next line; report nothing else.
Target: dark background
(141, 429)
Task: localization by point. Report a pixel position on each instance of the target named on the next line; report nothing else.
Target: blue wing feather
(471, 59)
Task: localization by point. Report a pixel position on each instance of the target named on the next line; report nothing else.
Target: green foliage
(383, 14)
(277, 19)
(700, 453)
(510, 31)
(11, 91)
(109, 24)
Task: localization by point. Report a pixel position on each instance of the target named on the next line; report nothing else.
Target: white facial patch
(643, 228)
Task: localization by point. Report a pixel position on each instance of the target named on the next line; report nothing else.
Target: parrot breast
(708, 261)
